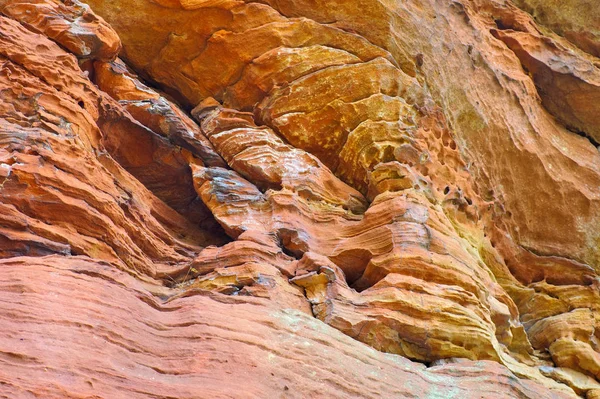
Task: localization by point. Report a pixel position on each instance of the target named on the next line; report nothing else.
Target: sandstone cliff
(299, 199)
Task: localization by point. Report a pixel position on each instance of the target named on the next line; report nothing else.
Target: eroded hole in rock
(292, 242)
(501, 25)
(354, 263)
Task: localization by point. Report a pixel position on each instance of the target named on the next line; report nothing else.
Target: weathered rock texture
(300, 198)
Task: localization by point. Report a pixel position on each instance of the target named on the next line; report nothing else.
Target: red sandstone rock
(138, 343)
(69, 23)
(62, 192)
(569, 85)
(385, 171)
(577, 20)
(154, 111)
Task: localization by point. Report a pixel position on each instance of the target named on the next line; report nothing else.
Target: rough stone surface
(70, 23)
(577, 20)
(299, 198)
(140, 343)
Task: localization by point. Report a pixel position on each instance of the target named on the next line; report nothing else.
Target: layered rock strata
(419, 178)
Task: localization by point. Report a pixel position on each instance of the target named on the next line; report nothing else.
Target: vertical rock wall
(260, 189)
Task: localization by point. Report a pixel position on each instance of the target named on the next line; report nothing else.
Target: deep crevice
(581, 133)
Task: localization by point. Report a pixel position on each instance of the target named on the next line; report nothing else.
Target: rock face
(299, 199)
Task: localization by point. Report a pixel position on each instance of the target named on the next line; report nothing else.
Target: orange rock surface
(299, 199)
